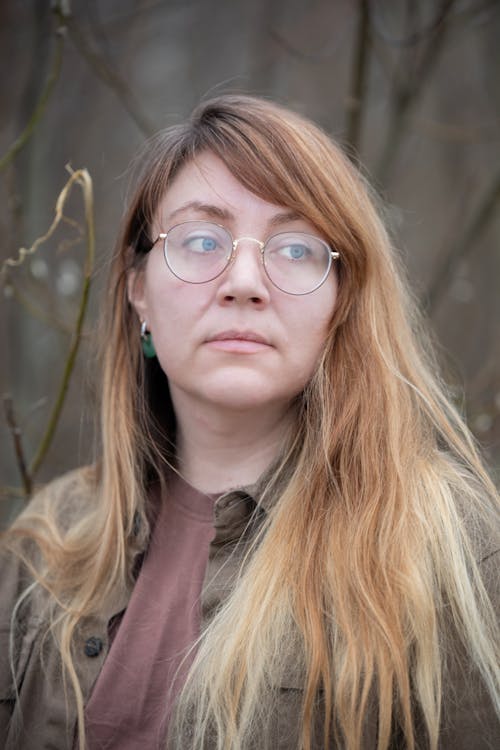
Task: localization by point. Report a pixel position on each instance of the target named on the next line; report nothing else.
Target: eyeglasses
(199, 251)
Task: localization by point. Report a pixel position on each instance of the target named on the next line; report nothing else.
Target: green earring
(148, 347)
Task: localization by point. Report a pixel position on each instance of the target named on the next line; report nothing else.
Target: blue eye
(208, 243)
(202, 244)
(297, 251)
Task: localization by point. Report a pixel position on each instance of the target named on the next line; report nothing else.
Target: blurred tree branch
(466, 242)
(41, 104)
(455, 133)
(81, 178)
(101, 67)
(415, 36)
(26, 301)
(406, 92)
(356, 98)
(18, 447)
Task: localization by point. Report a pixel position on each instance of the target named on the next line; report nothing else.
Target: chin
(249, 396)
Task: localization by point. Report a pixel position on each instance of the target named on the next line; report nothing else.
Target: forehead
(206, 187)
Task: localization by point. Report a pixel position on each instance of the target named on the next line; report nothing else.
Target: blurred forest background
(410, 87)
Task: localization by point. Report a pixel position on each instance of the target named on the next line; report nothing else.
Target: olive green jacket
(35, 712)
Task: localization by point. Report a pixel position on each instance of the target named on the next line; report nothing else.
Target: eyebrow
(223, 214)
(285, 217)
(215, 212)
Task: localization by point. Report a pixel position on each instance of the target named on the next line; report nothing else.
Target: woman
(289, 540)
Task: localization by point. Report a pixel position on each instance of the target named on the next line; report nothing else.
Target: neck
(219, 449)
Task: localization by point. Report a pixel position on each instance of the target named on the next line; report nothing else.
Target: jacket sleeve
(20, 628)
(6, 696)
(13, 581)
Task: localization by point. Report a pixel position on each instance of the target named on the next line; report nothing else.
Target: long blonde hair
(377, 476)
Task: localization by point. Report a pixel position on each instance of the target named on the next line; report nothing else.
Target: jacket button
(93, 646)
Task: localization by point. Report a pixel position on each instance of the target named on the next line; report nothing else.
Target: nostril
(232, 298)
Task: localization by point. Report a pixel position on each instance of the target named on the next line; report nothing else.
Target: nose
(245, 279)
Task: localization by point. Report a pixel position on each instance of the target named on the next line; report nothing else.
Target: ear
(136, 292)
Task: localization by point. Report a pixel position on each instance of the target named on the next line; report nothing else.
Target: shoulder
(56, 508)
(25, 604)
(64, 500)
(481, 526)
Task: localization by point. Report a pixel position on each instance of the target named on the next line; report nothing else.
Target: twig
(311, 58)
(413, 37)
(356, 98)
(7, 493)
(37, 312)
(456, 133)
(129, 16)
(111, 77)
(55, 70)
(16, 439)
(82, 178)
(467, 242)
(406, 95)
(59, 217)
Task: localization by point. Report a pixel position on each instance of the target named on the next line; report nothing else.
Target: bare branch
(7, 493)
(468, 240)
(26, 301)
(313, 58)
(16, 439)
(406, 94)
(356, 98)
(447, 132)
(36, 116)
(109, 76)
(59, 217)
(82, 178)
(414, 37)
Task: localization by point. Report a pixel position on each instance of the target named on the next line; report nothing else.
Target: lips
(238, 343)
(234, 335)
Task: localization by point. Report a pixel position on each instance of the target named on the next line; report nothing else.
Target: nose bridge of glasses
(247, 239)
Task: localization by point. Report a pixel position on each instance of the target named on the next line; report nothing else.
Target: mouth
(239, 336)
(239, 342)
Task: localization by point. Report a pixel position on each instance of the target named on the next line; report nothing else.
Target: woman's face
(235, 342)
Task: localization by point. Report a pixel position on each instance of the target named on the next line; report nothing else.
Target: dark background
(410, 87)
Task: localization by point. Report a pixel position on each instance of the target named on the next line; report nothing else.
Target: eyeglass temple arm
(161, 236)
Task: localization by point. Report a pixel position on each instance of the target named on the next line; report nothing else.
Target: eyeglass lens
(295, 262)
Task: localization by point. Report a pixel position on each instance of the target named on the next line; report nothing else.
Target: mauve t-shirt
(146, 665)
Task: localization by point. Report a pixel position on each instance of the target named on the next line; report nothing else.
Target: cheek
(175, 311)
(308, 331)
(313, 316)
(165, 297)
(305, 342)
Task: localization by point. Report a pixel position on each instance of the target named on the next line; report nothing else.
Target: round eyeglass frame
(332, 254)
